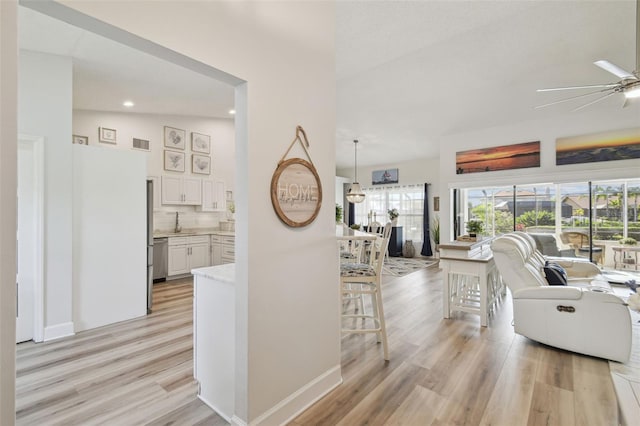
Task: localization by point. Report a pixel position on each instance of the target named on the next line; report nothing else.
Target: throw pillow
(555, 274)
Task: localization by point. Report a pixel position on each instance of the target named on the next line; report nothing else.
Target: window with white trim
(408, 199)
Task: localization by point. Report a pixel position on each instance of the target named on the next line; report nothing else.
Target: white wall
(151, 127)
(288, 298)
(8, 171)
(109, 236)
(546, 131)
(45, 92)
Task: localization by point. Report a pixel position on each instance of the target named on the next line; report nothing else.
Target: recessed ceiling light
(232, 111)
(128, 104)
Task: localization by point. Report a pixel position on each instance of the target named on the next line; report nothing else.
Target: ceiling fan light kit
(355, 194)
(629, 83)
(633, 92)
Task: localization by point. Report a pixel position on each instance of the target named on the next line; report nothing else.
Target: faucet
(178, 227)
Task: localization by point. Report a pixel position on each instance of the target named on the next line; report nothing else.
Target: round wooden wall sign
(296, 192)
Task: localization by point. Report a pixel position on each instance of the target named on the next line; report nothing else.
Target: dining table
(352, 243)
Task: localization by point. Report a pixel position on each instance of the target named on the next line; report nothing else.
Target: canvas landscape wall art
(606, 146)
(506, 157)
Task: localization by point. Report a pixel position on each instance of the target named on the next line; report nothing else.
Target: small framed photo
(174, 138)
(81, 140)
(436, 204)
(141, 144)
(106, 135)
(229, 195)
(173, 161)
(201, 164)
(200, 143)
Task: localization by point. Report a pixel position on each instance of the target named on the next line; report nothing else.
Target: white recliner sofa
(584, 316)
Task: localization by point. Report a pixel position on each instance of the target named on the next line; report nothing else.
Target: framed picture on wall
(383, 177)
(173, 161)
(201, 164)
(174, 138)
(200, 143)
(106, 135)
(436, 204)
(81, 140)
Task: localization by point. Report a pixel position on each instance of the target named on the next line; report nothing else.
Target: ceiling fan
(629, 83)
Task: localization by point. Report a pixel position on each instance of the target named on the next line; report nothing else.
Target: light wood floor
(135, 372)
(442, 372)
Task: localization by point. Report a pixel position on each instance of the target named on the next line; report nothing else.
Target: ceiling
(408, 73)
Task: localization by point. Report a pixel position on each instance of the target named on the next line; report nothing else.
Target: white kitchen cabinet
(223, 249)
(228, 249)
(199, 254)
(213, 196)
(181, 190)
(187, 253)
(216, 250)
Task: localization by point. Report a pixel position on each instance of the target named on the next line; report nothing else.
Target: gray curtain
(426, 238)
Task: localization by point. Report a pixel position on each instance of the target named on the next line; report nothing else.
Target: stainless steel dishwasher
(160, 259)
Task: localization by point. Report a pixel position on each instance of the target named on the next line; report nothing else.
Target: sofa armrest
(568, 293)
(549, 292)
(578, 268)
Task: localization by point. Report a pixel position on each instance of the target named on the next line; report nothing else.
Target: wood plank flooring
(442, 372)
(454, 372)
(134, 372)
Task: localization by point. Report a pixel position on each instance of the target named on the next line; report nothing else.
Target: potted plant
(393, 215)
(475, 227)
(435, 232)
(628, 241)
(339, 212)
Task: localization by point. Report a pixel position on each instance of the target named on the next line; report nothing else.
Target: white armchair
(584, 316)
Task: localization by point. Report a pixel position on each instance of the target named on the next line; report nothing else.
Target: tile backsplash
(165, 221)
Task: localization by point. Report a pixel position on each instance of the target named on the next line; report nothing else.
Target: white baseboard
(237, 421)
(298, 401)
(57, 331)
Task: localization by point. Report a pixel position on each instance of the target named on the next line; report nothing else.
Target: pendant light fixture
(355, 194)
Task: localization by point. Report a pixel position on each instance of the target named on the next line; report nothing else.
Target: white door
(27, 240)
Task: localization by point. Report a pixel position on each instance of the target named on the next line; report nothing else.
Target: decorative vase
(408, 250)
(394, 221)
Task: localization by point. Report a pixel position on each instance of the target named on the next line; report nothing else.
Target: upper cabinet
(213, 196)
(181, 190)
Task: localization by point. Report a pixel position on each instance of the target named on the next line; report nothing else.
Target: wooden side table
(625, 257)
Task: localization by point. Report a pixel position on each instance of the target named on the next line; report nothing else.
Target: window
(601, 212)
(408, 199)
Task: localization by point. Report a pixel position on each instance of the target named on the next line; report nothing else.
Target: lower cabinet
(186, 253)
(223, 249)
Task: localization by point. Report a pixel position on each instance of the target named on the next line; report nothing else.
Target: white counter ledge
(222, 273)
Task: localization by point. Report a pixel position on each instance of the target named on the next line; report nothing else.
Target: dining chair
(580, 242)
(361, 279)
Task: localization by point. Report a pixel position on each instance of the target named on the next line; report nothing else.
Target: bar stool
(360, 279)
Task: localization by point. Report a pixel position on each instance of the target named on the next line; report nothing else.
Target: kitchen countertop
(192, 232)
(222, 273)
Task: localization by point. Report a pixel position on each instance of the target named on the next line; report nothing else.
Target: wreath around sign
(296, 192)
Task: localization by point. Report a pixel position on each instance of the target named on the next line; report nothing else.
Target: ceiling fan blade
(570, 99)
(615, 70)
(593, 102)
(592, 86)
